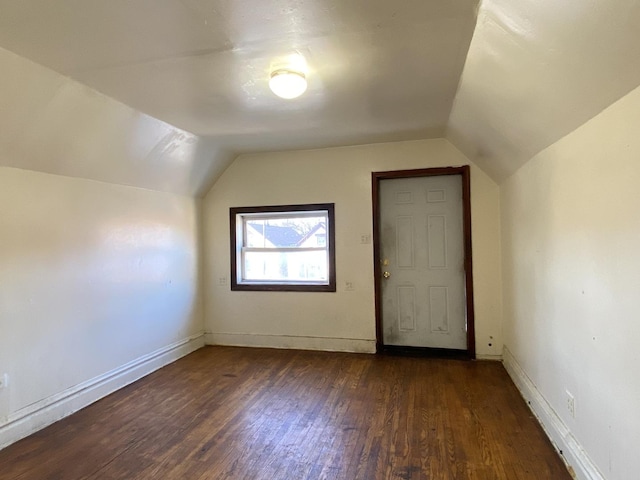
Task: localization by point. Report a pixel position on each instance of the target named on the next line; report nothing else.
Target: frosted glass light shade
(288, 84)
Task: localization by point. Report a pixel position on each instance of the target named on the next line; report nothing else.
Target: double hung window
(286, 248)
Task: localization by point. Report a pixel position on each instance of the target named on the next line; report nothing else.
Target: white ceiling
(378, 71)
(537, 70)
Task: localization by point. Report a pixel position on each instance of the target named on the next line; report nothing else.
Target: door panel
(422, 260)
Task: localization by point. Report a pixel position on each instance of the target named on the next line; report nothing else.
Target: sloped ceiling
(537, 70)
(163, 94)
(52, 124)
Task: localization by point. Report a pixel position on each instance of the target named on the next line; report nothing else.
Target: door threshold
(402, 351)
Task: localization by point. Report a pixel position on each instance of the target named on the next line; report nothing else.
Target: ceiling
(195, 72)
(537, 70)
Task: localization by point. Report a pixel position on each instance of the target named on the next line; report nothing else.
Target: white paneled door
(421, 257)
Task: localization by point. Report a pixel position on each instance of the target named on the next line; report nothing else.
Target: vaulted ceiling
(183, 83)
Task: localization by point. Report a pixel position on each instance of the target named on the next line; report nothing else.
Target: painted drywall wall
(344, 320)
(93, 278)
(571, 231)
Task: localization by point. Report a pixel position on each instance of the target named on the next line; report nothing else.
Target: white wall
(344, 320)
(571, 238)
(98, 285)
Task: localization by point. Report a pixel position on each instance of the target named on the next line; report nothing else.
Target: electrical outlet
(4, 380)
(222, 281)
(365, 238)
(349, 287)
(571, 404)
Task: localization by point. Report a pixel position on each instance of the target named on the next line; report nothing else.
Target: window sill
(282, 287)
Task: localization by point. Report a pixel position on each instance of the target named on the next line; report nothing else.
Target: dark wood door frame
(376, 177)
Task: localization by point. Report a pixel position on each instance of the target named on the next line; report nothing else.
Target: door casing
(464, 171)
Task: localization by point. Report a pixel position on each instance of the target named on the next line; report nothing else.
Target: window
(283, 248)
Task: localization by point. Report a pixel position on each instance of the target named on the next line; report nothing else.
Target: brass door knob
(386, 274)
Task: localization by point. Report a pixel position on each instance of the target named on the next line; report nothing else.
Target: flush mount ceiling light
(287, 83)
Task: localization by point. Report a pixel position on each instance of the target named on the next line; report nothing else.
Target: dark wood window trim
(464, 171)
(283, 287)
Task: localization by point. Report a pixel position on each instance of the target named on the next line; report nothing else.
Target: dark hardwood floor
(239, 413)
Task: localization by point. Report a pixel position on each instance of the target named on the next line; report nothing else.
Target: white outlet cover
(571, 403)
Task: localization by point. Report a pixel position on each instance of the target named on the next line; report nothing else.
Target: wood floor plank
(253, 414)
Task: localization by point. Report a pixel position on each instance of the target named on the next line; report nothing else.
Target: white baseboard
(32, 418)
(493, 358)
(576, 458)
(292, 342)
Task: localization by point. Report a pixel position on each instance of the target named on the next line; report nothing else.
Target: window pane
(286, 266)
(286, 232)
(288, 248)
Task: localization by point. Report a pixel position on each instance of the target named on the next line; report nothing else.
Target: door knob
(386, 274)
